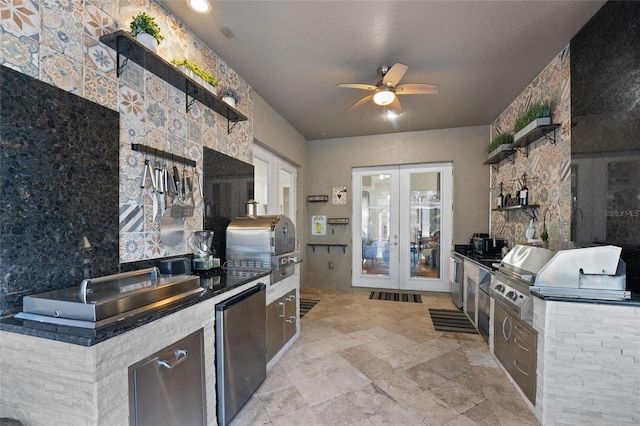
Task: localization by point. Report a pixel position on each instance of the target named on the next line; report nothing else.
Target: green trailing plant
(535, 110)
(544, 235)
(145, 24)
(500, 139)
(197, 70)
(231, 92)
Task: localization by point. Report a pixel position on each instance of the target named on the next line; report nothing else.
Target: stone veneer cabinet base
(588, 363)
(47, 382)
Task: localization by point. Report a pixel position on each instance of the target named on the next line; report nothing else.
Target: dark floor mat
(306, 305)
(397, 297)
(451, 321)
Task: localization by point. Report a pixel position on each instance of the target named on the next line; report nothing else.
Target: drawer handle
(504, 328)
(291, 320)
(181, 356)
(291, 298)
(515, 364)
(515, 340)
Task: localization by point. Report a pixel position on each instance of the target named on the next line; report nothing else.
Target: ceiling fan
(384, 91)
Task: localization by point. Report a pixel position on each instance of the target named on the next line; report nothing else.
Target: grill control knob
(512, 295)
(500, 288)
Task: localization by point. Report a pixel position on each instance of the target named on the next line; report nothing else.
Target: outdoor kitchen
(143, 284)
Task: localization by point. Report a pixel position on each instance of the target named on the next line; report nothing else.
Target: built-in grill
(590, 273)
(594, 273)
(262, 243)
(103, 300)
(516, 273)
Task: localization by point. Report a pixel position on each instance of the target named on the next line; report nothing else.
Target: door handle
(504, 326)
(281, 314)
(181, 356)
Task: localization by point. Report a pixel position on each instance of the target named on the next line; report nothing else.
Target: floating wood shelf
(128, 47)
(528, 210)
(500, 153)
(535, 130)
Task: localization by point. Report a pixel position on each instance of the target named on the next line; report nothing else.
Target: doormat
(451, 321)
(396, 297)
(306, 305)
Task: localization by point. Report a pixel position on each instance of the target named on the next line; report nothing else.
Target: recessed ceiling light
(200, 6)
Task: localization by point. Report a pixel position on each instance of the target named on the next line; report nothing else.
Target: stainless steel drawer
(167, 388)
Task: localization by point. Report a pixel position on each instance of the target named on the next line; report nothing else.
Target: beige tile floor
(366, 362)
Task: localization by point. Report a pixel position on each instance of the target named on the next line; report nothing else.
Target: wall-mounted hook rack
(160, 153)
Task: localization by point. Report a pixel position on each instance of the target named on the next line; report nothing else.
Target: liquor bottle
(501, 198)
(524, 192)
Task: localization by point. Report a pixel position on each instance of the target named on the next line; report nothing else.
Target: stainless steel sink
(101, 301)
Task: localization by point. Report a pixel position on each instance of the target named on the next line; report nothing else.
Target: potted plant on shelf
(146, 30)
(538, 114)
(500, 143)
(193, 70)
(230, 96)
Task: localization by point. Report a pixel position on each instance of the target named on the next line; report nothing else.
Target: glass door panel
(423, 219)
(400, 218)
(375, 264)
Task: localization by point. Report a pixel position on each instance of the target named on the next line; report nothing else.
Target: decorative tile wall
(58, 43)
(548, 165)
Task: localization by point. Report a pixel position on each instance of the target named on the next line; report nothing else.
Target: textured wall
(57, 42)
(605, 147)
(58, 188)
(587, 363)
(331, 165)
(548, 165)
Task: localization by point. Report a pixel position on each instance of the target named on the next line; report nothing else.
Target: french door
(402, 226)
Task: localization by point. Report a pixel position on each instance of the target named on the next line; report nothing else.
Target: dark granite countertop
(633, 302)
(213, 284)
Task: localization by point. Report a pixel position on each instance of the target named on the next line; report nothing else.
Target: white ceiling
(294, 53)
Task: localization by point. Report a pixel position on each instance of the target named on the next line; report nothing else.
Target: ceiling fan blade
(395, 106)
(360, 103)
(358, 86)
(417, 89)
(395, 74)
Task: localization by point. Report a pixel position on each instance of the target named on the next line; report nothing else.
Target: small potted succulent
(193, 70)
(146, 30)
(230, 96)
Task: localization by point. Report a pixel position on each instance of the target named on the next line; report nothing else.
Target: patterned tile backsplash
(547, 165)
(58, 43)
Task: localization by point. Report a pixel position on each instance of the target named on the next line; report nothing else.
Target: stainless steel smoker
(262, 242)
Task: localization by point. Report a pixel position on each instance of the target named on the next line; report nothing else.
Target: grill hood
(258, 241)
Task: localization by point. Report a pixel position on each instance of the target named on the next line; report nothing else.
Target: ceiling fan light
(384, 96)
(200, 6)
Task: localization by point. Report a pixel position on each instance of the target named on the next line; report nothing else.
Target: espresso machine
(204, 258)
